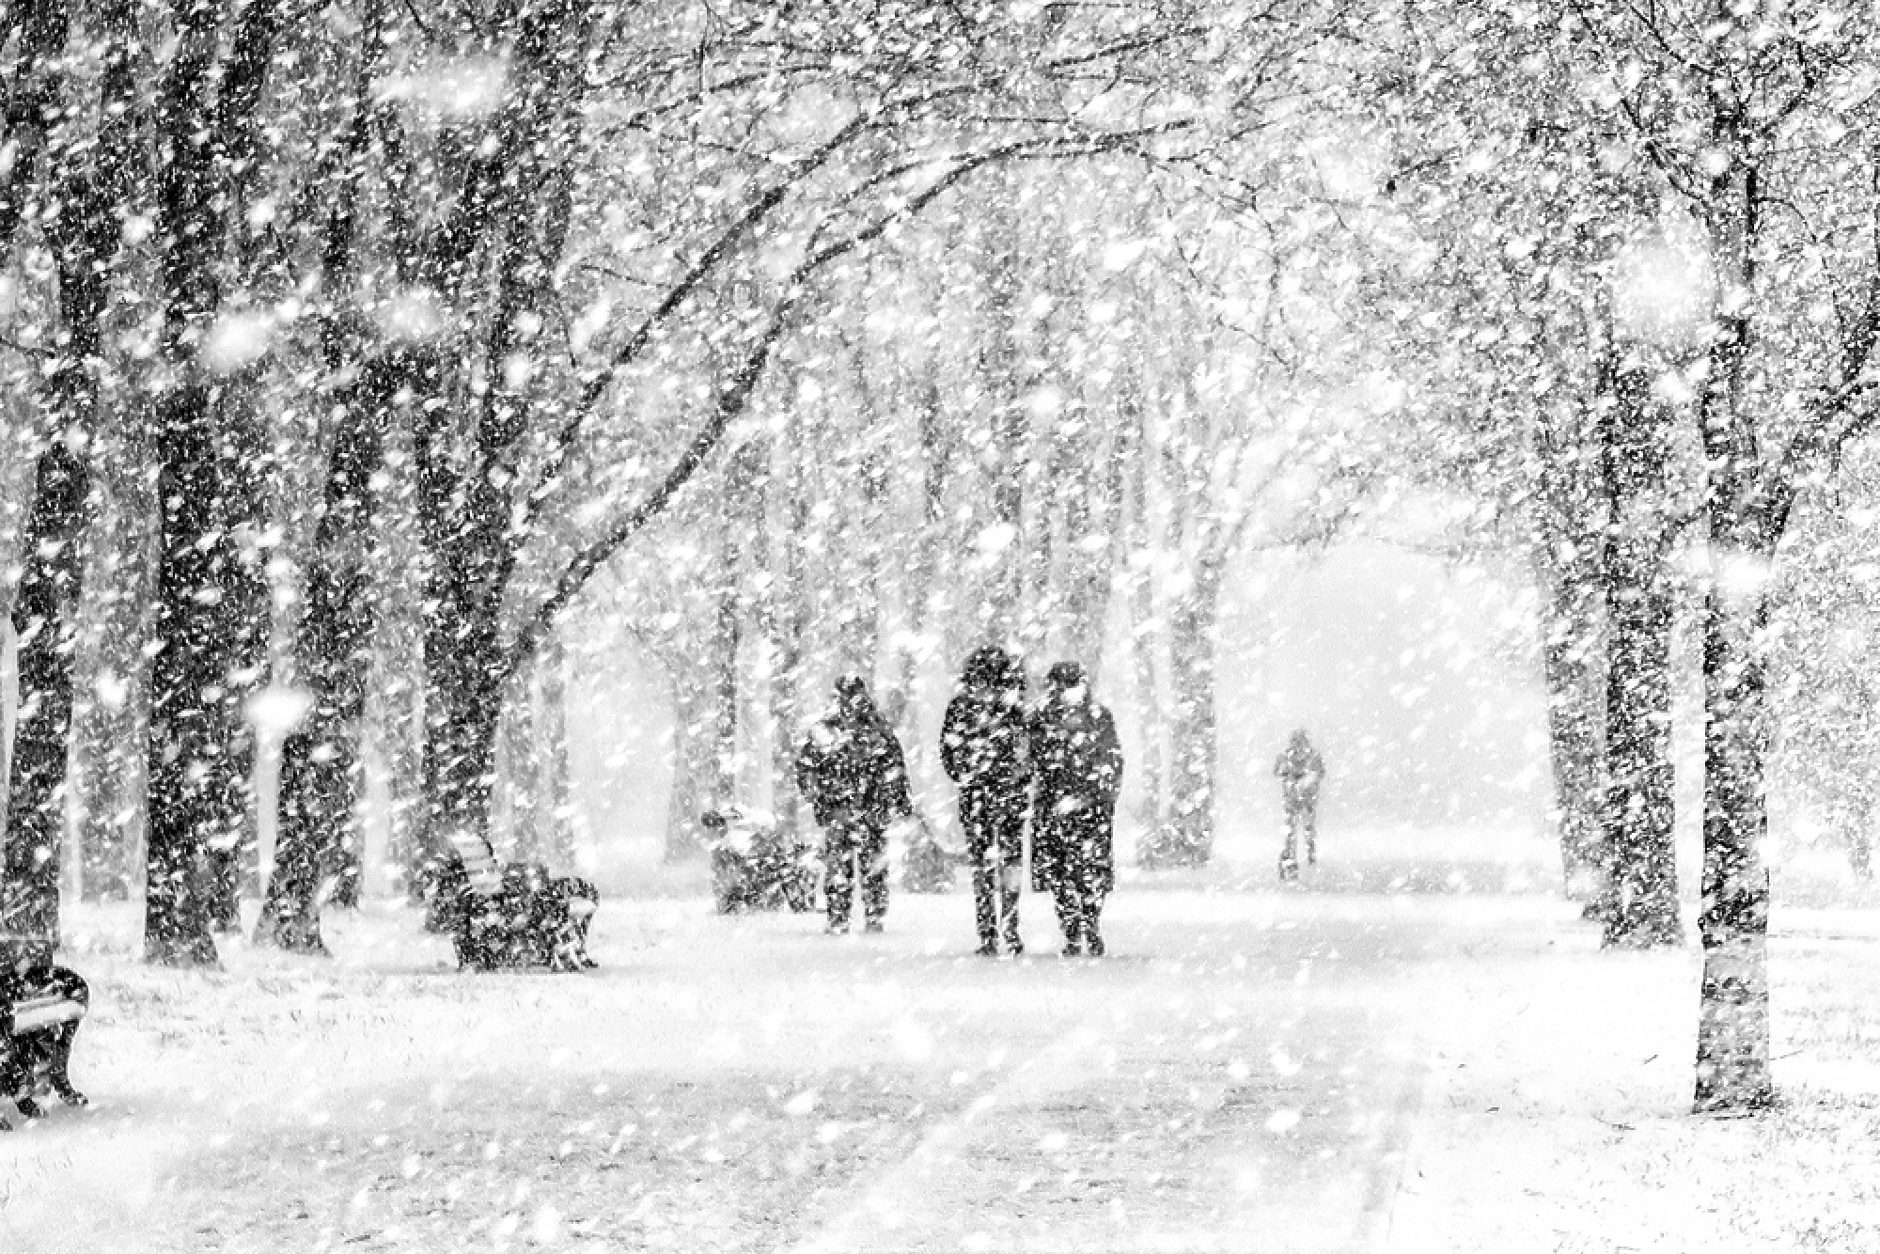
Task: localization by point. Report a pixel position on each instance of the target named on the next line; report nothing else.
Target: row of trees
(357, 341)
(977, 447)
(301, 272)
(1679, 295)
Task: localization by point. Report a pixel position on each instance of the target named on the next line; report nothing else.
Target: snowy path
(1244, 1081)
(1238, 1075)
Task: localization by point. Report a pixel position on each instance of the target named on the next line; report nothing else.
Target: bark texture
(1640, 856)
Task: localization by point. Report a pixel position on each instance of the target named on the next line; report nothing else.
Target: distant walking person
(1300, 771)
(853, 773)
(1079, 767)
(983, 750)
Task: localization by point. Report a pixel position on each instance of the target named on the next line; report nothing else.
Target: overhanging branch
(737, 392)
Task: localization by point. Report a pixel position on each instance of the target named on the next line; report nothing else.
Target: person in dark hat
(983, 750)
(854, 775)
(1078, 769)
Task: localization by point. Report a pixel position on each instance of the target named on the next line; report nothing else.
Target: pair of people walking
(1058, 765)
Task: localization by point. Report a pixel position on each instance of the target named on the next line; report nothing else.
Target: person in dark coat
(852, 771)
(1300, 771)
(983, 750)
(1077, 765)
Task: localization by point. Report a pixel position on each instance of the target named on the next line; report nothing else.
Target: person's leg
(979, 848)
(1069, 913)
(1093, 922)
(839, 866)
(1289, 854)
(1011, 837)
(874, 859)
(1311, 808)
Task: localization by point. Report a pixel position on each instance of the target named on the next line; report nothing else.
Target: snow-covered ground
(1344, 1069)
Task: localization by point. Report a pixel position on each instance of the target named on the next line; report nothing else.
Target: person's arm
(1111, 748)
(808, 770)
(951, 736)
(900, 797)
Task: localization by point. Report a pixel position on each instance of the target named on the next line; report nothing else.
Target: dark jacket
(1077, 760)
(851, 766)
(1300, 770)
(1078, 764)
(983, 737)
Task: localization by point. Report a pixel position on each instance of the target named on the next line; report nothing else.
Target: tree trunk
(113, 711)
(1001, 548)
(395, 698)
(514, 210)
(248, 605)
(1746, 518)
(317, 847)
(1733, 1018)
(792, 595)
(44, 613)
(518, 800)
(1192, 733)
(1143, 638)
(1572, 657)
(1568, 560)
(727, 629)
(194, 796)
(463, 700)
(1093, 515)
(924, 589)
(470, 559)
(200, 746)
(46, 601)
(555, 806)
(1641, 857)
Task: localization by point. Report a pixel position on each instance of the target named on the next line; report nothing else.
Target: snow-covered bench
(514, 914)
(755, 866)
(40, 1010)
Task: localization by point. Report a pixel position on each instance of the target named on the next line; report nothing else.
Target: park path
(1241, 1076)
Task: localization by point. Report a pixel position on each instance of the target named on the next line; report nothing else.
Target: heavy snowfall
(885, 625)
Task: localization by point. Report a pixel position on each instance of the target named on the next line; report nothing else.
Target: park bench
(756, 865)
(40, 1010)
(513, 914)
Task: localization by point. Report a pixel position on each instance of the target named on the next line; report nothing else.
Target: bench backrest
(36, 1014)
(479, 862)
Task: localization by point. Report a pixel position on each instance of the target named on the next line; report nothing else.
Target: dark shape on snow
(1301, 770)
(1078, 767)
(515, 915)
(984, 748)
(40, 1009)
(755, 867)
(928, 865)
(851, 769)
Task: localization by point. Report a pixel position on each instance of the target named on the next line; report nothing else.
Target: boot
(1093, 938)
(985, 909)
(1070, 922)
(1008, 903)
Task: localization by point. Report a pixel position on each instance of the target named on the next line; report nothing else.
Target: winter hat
(1065, 675)
(987, 667)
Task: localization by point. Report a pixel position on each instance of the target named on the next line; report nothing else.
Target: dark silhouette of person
(983, 750)
(1300, 771)
(852, 771)
(1077, 765)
